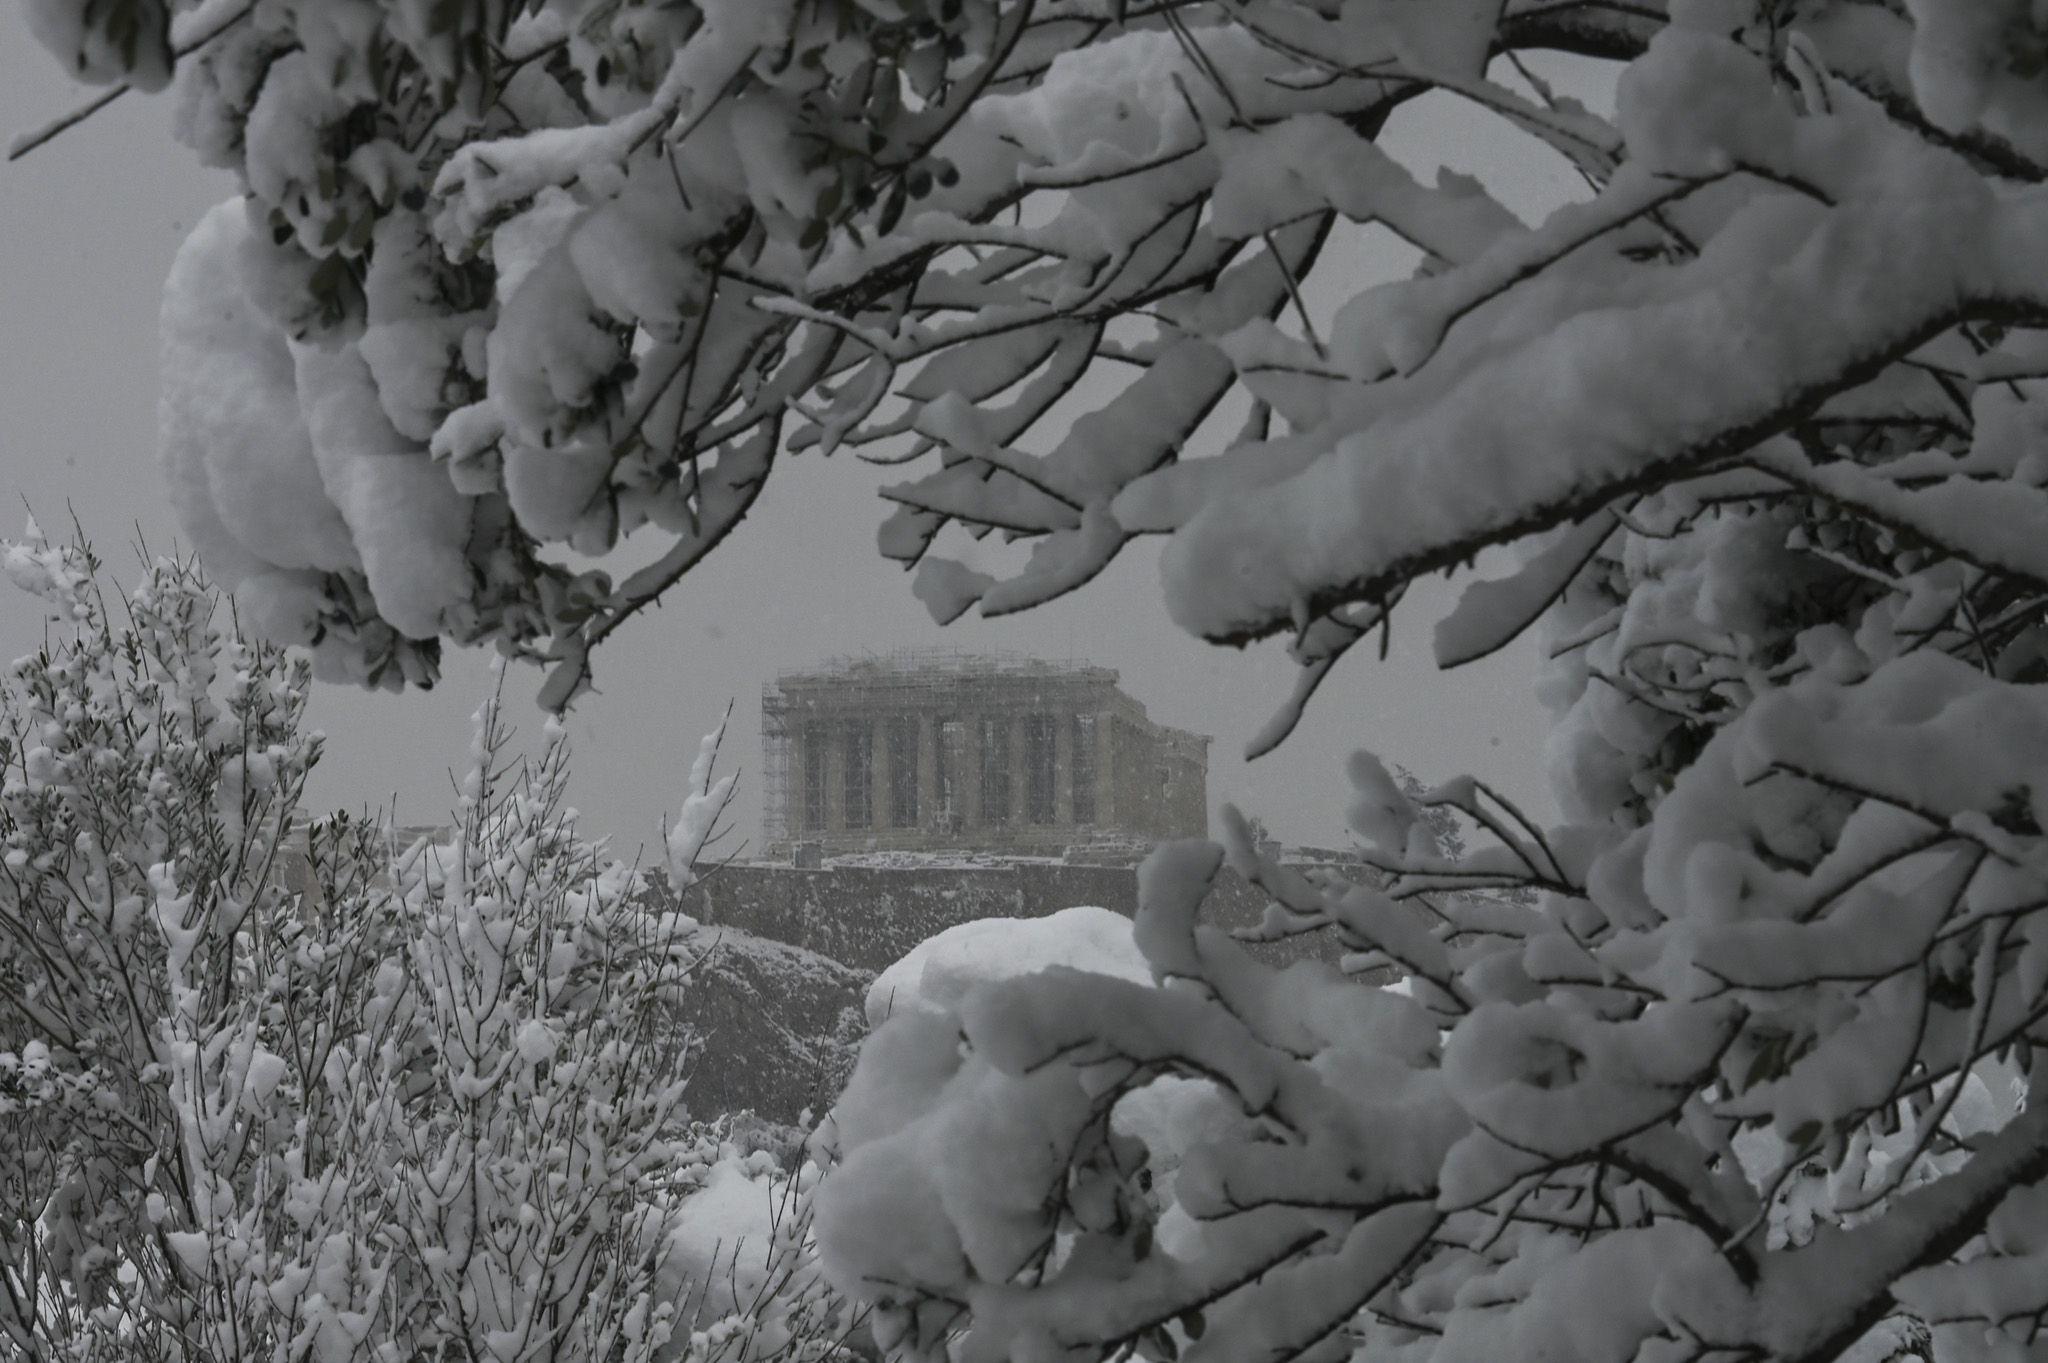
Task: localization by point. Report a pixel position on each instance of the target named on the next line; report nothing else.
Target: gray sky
(88, 226)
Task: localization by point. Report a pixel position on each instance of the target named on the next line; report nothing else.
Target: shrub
(429, 1100)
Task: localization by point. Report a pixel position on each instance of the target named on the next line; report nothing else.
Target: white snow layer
(234, 449)
(281, 462)
(938, 972)
(723, 1245)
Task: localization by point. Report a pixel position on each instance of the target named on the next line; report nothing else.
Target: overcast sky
(88, 227)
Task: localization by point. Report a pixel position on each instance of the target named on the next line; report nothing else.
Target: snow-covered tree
(514, 276)
(276, 1090)
(511, 280)
(1763, 409)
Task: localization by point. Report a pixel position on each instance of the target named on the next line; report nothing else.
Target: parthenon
(934, 751)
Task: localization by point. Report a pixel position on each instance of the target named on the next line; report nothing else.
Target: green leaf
(892, 208)
(1767, 1063)
(326, 277)
(1953, 992)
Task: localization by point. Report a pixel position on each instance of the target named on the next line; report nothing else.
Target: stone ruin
(933, 751)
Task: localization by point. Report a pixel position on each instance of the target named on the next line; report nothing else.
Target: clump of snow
(703, 801)
(1965, 67)
(129, 43)
(234, 441)
(237, 458)
(724, 1243)
(53, 572)
(282, 461)
(409, 523)
(936, 975)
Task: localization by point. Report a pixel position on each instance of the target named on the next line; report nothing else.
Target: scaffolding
(1084, 769)
(857, 773)
(775, 766)
(937, 665)
(1041, 767)
(903, 757)
(995, 772)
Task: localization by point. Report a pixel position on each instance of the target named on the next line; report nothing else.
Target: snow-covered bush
(1763, 408)
(742, 1265)
(278, 1091)
(149, 766)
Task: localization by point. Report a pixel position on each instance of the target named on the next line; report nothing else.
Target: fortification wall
(869, 917)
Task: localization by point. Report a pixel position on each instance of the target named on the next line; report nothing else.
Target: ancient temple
(930, 751)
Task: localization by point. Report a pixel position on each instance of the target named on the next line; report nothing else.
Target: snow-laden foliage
(1764, 409)
(278, 1091)
(509, 280)
(1595, 1130)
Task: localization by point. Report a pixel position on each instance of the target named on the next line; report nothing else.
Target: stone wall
(778, 999)
(868, 916)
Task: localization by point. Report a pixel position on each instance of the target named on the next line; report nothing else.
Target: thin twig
(1294, 292)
